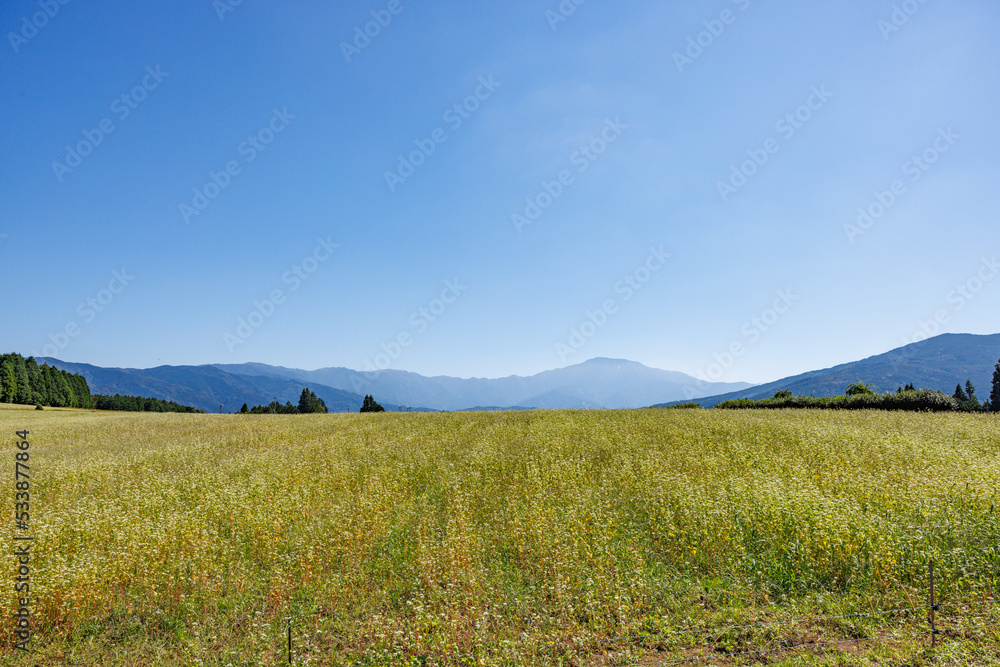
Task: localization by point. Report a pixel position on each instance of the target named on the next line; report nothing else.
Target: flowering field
(573, 538)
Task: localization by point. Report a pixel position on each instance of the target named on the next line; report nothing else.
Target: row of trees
(309, 403)
(139, 404)
(861, 396)
(23, 381)
(968, 402)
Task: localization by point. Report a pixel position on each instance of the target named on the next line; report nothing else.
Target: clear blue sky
(662, 121)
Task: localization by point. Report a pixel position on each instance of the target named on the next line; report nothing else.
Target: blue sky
(230, 163)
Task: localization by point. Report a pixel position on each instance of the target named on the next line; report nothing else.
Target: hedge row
(921, 400)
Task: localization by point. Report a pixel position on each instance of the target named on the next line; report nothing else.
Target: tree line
(967, 401)
(120, 403)
(309, 403)
(23, 381)
(860, 396)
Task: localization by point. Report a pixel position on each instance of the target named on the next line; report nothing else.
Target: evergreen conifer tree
(370, 405)
(995, 394)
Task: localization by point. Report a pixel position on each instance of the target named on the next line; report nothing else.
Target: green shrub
(921, 400)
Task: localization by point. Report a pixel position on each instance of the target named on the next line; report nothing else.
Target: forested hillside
(24, 381)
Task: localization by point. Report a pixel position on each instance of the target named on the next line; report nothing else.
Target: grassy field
(562, 538)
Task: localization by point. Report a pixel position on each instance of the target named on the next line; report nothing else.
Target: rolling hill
(936, 363)
(204, 387)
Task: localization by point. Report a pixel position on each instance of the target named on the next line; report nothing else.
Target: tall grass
(514, 538)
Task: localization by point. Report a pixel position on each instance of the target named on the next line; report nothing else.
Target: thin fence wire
(971, 627)
(721, 655)
(667, 662)
(965, 604)
(794, 621)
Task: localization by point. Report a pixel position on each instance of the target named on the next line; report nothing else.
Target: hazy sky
(482, 189)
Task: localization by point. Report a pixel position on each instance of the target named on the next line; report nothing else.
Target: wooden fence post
(933, 607)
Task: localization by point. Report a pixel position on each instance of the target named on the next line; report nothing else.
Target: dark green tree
(83, 392)
(64, 393)
(973, 404)
(960, 394)
(23, 387)
(35, 381)
(48, 385)
(859, 388)
(309, 403)
(995, 394)
(783, 393)
(370, 405)
(244, 410)
(8, 381)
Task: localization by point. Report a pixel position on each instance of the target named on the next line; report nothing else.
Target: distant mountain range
(936, 363)
(203, 387)
(598, 383)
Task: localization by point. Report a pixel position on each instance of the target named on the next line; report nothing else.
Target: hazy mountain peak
(607, 361)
